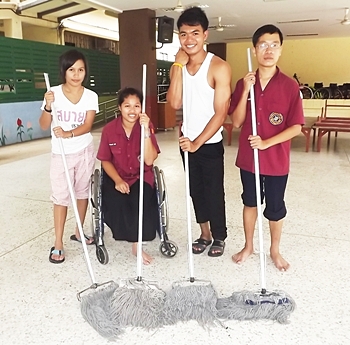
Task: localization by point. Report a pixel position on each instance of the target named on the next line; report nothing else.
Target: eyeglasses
(272, 46)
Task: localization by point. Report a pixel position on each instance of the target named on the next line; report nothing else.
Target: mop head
(96, 309)
(138, 304)
(247, 305)
(191, 302)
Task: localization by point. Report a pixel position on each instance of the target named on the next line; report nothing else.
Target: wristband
(147, 135)
(48, 111)
(178, 64)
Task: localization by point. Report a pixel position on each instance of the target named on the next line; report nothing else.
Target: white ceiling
(247, 15)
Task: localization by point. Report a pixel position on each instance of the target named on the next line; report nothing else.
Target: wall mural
(22, 128)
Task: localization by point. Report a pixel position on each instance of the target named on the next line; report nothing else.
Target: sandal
(217, 248)
(200, 245)
(74, 238)
(54, 251)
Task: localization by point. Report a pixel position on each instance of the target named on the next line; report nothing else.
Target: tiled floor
(38, 299)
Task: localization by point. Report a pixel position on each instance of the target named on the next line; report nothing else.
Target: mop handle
(142, 160)
(70, 187)
(257, 183)
(187, 180)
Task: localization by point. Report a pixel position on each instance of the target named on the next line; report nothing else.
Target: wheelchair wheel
(102, 255)
(337, 94)
(306, 92)
(168, 248)
(94, 202)
(322, 93)
(96, 188)
(162, 197)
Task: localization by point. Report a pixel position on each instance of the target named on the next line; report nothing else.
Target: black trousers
(121, 211)
(272, 188)
(206, 170)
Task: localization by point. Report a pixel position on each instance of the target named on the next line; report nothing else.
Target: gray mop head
(96, 309)
(191, 302)
(247, 305)
(139, 306)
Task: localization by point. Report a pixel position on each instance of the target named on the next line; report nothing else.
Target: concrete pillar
(137, 31)
(13, 27)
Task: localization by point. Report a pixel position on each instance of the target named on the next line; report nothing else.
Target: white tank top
(200, 102)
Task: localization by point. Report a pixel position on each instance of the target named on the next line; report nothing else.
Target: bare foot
(279, 262)
(147, 259)
(242, 256)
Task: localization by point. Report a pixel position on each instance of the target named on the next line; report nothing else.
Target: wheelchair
(167, 247)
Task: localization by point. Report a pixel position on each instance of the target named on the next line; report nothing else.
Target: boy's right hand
(248, 81)
(181, 57)
(122, 187)
(49, 98)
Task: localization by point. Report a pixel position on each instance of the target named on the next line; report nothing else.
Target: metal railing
(108, 111)
(162, 90)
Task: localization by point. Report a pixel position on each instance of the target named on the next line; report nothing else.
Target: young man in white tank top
(208, 80)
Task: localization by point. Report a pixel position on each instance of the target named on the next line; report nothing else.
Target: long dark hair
(68, 59)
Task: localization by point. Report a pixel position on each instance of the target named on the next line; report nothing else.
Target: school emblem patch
(276, 118)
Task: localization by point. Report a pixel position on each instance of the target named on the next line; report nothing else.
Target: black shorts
(272, 189)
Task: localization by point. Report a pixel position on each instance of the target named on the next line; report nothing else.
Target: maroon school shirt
(278, 107)
(124, 153)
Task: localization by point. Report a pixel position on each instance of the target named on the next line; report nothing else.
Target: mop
(137, 302)
(245, 305)
(96, 306)
(193, 299)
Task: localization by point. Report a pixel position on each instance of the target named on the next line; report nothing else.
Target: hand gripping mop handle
(142, 160)
(70, 187)
(187, 180)
(257, 184)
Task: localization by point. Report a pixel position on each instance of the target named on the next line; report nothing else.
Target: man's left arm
(222, 92)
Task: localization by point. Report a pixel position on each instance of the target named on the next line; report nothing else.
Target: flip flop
(200, 245)
(217, 248)
(54, 251)
(74, 238)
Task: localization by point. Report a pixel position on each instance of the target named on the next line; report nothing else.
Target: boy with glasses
(279, 116)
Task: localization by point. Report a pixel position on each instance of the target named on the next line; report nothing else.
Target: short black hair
(68, 59)
(129, 91)
(193, 16)
(266, 29)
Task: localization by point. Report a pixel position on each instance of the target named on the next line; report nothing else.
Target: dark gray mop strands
(191, 302)
(247, 305)
(139, 305)
(97, 310)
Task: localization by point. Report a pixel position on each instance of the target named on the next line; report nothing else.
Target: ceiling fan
(179, 7)
(221, 27)
(345, 20)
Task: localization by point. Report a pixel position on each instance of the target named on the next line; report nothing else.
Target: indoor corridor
(38, 299)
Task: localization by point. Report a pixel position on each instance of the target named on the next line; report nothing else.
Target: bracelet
(147, 135)
(72, 134)
(178, 64)
(48, 111)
